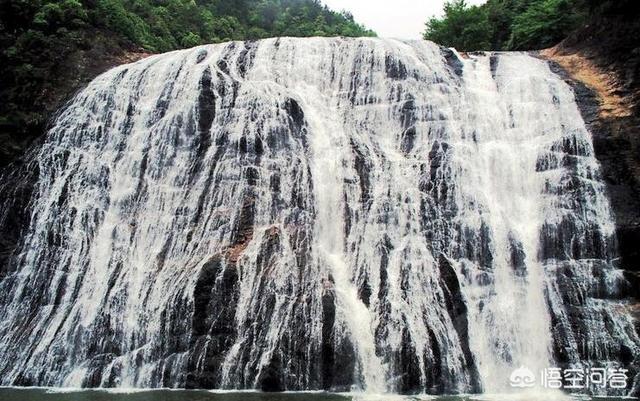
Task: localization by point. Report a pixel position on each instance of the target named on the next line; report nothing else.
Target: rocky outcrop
(602, 64)
(609, 105)
(602, 61)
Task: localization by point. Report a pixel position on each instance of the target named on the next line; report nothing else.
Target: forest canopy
(514, 24)
(161, 25)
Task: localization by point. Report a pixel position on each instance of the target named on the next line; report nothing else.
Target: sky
(402, 19)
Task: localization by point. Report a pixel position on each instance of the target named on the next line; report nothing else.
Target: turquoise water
(41, 394)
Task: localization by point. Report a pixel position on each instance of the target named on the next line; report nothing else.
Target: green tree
(511, 24)
(543, 24)
(190, 39)
(464, 27)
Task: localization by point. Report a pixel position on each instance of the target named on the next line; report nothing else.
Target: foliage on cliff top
(515, 24)
(161, 25)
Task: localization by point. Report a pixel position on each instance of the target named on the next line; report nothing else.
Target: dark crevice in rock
(410, 380)
(18, 184)
(270, 379)
(206, 114)
(493, 64)
(517, 256)
(246, 57)
(455, 64)
(328, 348)
(433, 365)
(457, 309)
(395, 68)
(213, 323)
(362, 165)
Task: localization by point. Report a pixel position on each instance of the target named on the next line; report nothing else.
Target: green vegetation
(507, 24)
(49, 48)
(161, 25)
(462, 27)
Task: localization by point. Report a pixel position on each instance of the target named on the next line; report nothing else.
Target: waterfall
(298, 214)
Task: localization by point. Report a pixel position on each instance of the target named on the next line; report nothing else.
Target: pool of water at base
(58, 394)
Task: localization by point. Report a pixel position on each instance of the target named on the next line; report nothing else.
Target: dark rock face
(18, 182)
(215, 302)
(610, 43)
(614, 141)
(453, 61)
(457, 309)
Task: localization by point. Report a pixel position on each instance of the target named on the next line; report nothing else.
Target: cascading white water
(327, 144)
(314, 214)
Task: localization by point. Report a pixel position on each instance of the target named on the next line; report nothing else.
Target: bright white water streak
(315, 213)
